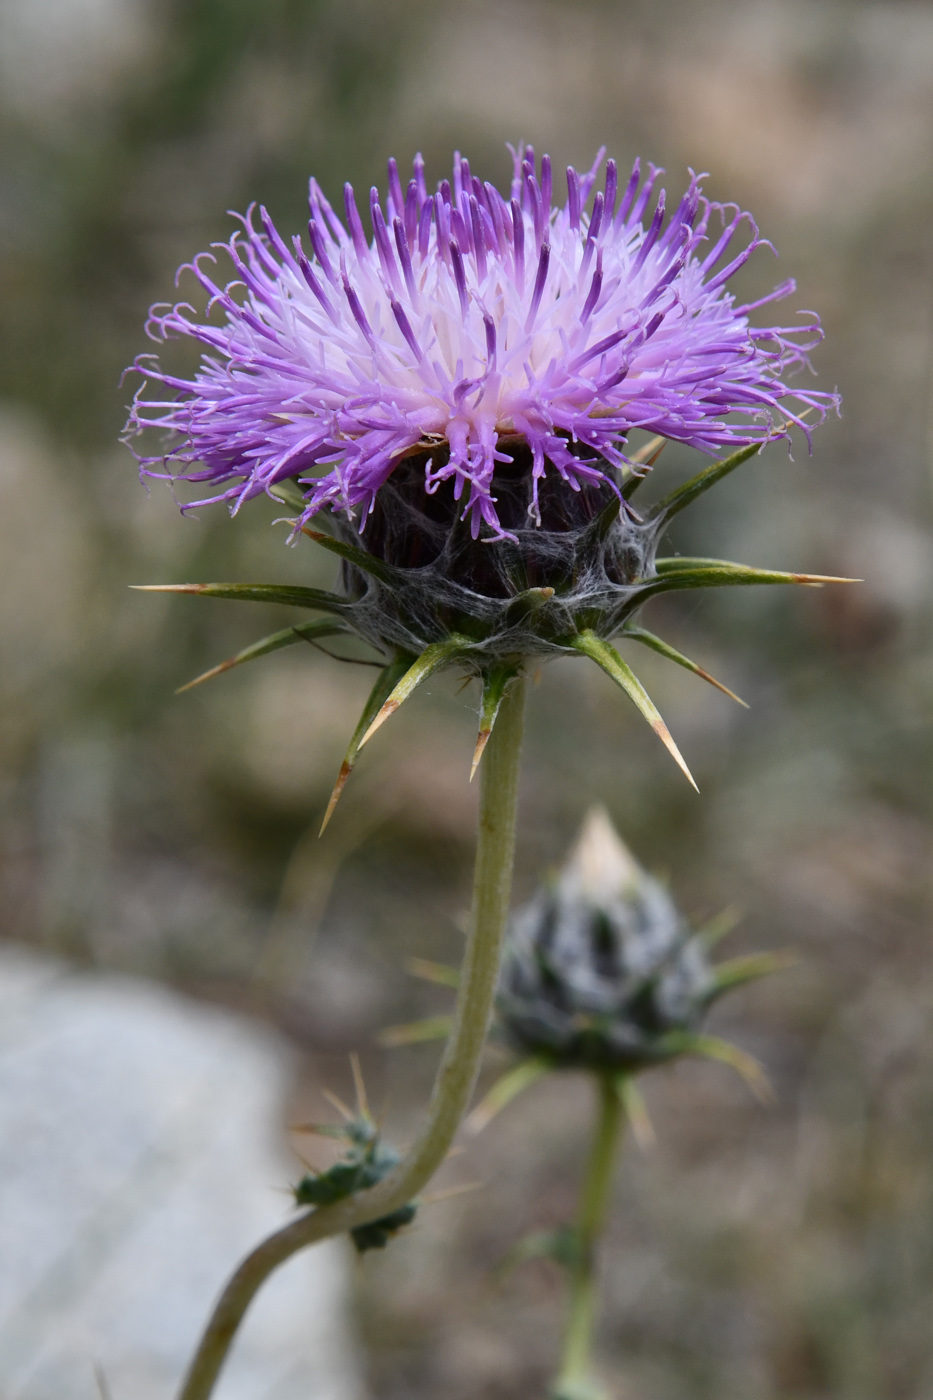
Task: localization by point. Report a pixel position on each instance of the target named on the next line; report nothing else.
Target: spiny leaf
(430, 660)
(439, 973)
(711, 1047)
(685, 495)
(636, 1111)
(721, 573)
(385, 684)
(415, 1032)
(290, 594)
(648, 639)
(494, 687)
(611, 662)
(359, 558)
(304, 631)
(504, 1091)
(527, 602)
(737, 971)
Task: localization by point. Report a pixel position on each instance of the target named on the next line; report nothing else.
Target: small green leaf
(431, 659)
(415, 1032)
(737, 971)
(494, 687)
(611, 662)
(304, 631)
(685, 495)
(648, 639)
(290, 594)
(504, 1091)
(385, 684)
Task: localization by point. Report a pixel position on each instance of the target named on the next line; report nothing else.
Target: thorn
(385, 684)
(636, 1111)
(705, 676)
(481, 741)
(495, 684)
(325, 1130)
(339, 1104)
(609, 660)
(440, 973)
(388, 709)
(648, 639)
(345, 771)
(817, 580)
(721, 924)
(664, 734)
(362, 1102)
(712, 1048)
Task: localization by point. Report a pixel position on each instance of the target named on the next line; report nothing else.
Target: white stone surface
(140, 1157)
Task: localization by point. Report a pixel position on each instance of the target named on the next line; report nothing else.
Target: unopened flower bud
(601, 970)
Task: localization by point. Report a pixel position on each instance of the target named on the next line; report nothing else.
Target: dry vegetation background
(780, 1253)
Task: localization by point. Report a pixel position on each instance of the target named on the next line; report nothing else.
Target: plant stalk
(456, 1074)
(573, 1381)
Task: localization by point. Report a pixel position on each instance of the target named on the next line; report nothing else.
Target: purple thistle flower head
(455, 398)
(470, 326)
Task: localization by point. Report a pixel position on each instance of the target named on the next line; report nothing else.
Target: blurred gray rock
(139, 1159)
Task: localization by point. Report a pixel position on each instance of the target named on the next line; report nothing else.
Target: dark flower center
(412, 528)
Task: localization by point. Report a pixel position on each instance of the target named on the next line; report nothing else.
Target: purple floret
(469, 322)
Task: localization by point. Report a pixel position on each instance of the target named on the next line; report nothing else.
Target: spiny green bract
(425, 594)
(367, 1160)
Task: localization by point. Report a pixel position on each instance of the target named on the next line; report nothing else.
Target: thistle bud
(602, 972)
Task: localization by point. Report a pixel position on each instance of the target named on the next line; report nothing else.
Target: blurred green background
(781, 1253)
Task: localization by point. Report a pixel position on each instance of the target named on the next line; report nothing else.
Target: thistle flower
(453, 399)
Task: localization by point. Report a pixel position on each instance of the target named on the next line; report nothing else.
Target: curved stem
(572, 1381)
(456, 1075)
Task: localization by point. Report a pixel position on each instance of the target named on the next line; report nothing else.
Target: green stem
(456, 1075)
(573, 1380)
